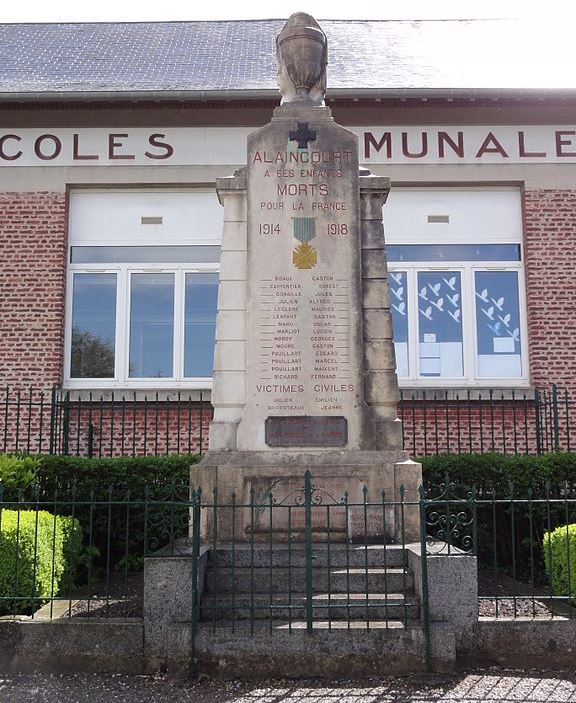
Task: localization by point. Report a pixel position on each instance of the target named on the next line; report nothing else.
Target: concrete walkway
(491, 686)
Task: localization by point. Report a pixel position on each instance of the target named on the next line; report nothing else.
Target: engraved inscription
(306, 431)
(303, 239)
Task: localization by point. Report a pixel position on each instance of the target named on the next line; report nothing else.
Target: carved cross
(302, 135)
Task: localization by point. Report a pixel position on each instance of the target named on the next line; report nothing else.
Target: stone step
(334, 606)
(337, 580)
(264, 626)
(337, 555)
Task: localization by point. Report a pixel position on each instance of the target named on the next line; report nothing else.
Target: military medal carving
(304, 256)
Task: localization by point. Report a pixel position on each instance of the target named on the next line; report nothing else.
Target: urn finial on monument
(302, 54)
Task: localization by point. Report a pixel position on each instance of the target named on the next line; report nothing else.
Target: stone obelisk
(304, 367)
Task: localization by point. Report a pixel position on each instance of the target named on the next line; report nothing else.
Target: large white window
(142, 289)
(457, 287)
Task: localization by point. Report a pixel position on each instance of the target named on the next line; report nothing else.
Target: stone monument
(304, 366)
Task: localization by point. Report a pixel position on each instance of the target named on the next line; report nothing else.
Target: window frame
(122, 348)
(469, 324)
(489, 232)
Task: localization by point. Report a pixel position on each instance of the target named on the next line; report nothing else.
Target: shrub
(38, 556)
(101, 490)
(18, 472)
(133, 473)
(506, 534)
(498, 470)
(559, 547)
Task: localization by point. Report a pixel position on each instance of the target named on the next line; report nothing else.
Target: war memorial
(306, 534)
(305, 372)
(377, 269)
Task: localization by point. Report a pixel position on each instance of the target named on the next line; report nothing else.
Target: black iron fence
(293, 556)
(35, 421)
(524, 539)
(79, 552)
(295, 559)
(303, 559)
(94, 424)
(511, 422)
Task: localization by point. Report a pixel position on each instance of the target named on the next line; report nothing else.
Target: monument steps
(338, 580)
(351, 584)
(337, 606)
(264, 626)
(337, 555)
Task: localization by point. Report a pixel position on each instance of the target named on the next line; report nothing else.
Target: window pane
(93, 325)
(399, 300)
(440, 324)
(145, 255)
(453, 252)
(200, 323)
(151, 325)
(498, 324)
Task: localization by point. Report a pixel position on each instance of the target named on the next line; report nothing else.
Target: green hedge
(134, 473)
(498, 470)
(39, 554)
(118, 533)
(506, 537)
(559, 547)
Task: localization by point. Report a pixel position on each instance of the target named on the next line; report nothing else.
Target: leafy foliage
(497, 471)
(559, 548)
(518, 499)
(39, 553)
(18, 472)
(127, 506)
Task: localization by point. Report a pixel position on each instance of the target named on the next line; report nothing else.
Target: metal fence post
(424, 566)
(66, 424)
(52, 442)
(90, 440)
(308, 548)
(555, 418)
(537, 421)
(196, 498)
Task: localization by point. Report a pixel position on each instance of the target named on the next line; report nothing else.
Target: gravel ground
(122, 597)
(125, 598)
(474, 687)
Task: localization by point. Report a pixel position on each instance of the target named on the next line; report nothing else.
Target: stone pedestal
(246, 483)
(304, 369)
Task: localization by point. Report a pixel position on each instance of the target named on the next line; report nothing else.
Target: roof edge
(268, 94)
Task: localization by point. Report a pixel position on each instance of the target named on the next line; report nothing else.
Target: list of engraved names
(303, 294)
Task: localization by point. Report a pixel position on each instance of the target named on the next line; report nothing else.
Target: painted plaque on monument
(304, 379)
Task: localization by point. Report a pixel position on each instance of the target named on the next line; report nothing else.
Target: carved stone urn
(302, 54)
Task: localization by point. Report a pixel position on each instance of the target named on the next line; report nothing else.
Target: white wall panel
(115, 217)
(474, 215)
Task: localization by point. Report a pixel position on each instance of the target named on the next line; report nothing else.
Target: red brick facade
(550, 265)
(33, 256)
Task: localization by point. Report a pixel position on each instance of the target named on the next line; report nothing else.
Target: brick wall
(33, 264)
(33, 256)
(550, 261)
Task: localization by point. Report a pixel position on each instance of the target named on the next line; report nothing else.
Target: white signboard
(214, 146)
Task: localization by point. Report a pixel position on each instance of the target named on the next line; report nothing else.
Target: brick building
(111, 138)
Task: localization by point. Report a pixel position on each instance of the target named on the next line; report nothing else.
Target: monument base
(356, 495)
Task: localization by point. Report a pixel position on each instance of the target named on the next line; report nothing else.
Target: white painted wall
(486, 215)
(113, 217)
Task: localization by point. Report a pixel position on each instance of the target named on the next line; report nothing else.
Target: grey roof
(237, 58)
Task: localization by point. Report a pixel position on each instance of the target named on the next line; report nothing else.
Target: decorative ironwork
(450, 519)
